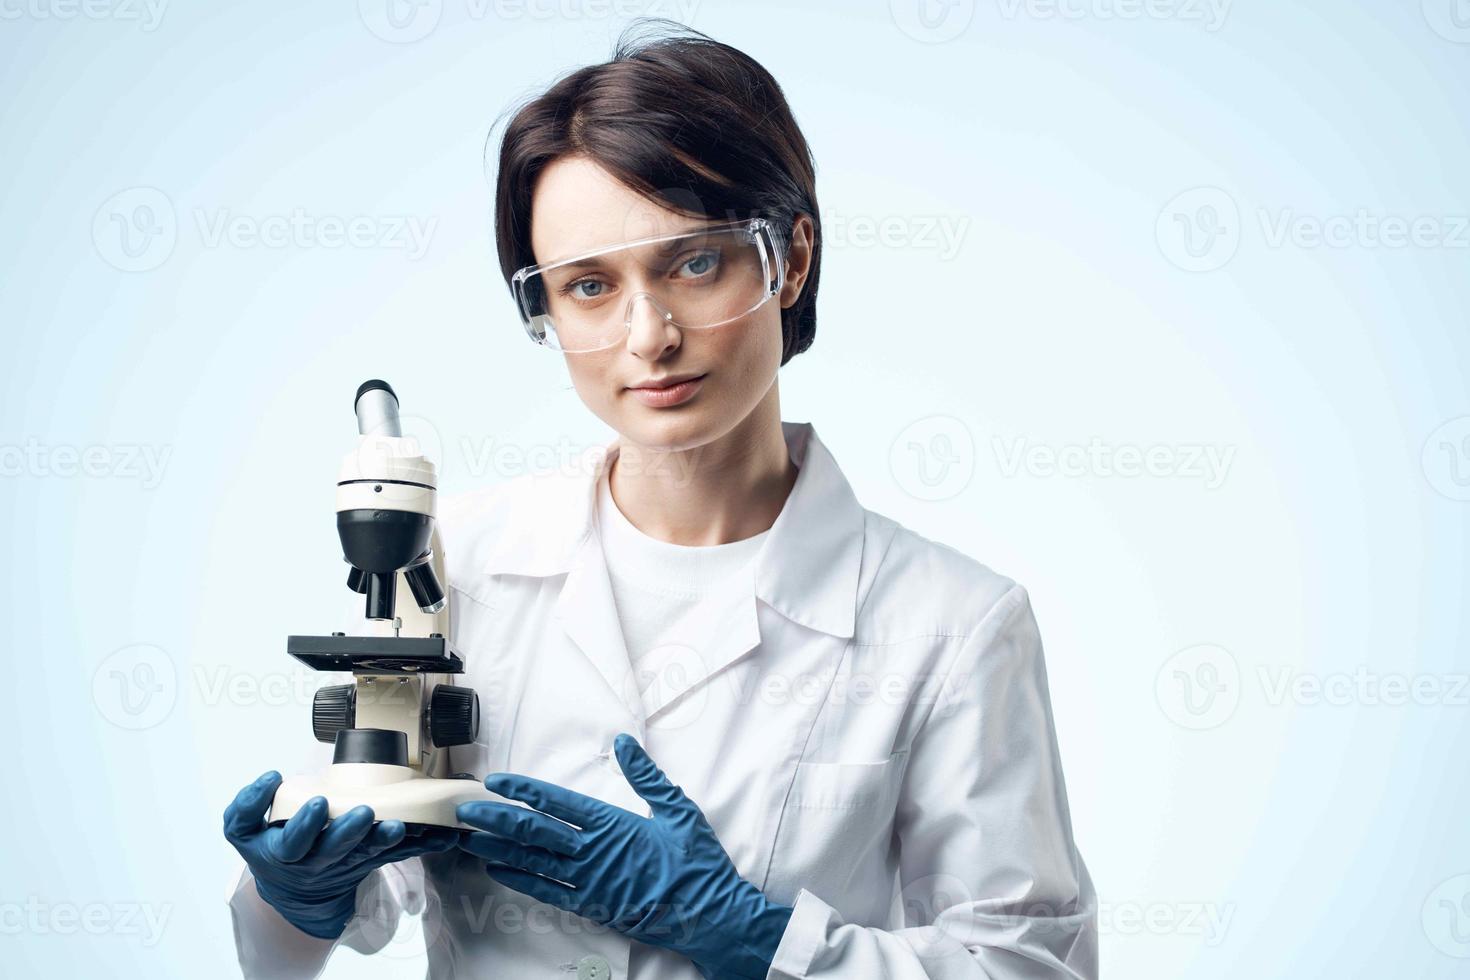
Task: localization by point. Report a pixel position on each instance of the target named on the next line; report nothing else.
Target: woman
(857, 774)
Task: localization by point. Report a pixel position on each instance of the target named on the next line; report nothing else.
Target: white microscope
(391, 728)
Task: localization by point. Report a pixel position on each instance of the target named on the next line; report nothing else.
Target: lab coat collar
(807, 569)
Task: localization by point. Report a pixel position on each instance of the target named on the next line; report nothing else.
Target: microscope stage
(376, 654)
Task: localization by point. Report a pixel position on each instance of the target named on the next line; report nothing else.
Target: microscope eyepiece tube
(377, 409)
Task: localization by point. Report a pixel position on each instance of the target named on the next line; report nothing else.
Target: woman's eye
(592, 286)
(701, 264)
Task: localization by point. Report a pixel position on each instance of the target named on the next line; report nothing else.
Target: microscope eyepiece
(376, 406)
(372, 384)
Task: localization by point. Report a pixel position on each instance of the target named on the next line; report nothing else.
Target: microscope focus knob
(333, 709)
(454, 715)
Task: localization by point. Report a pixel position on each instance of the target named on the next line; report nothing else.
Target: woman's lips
(672, 395)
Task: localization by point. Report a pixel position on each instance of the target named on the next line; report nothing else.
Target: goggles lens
(695, 280)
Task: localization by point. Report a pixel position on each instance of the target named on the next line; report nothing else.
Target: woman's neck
(726, 490)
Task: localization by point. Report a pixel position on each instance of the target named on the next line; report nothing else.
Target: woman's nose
(651, 328)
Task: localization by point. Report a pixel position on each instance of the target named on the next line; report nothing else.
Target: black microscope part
(379, 745)
(372, 385)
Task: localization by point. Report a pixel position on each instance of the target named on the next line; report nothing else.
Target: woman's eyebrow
(593, 260)
(654, 250)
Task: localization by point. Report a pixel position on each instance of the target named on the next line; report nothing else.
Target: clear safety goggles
(694, 280)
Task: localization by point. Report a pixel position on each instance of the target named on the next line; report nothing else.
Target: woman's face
(578, 206)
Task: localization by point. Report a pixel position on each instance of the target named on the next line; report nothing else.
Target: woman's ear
(798, 259)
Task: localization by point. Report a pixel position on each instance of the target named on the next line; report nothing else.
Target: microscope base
(394, 793)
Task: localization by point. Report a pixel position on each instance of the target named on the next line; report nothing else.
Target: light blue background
(1085, 308)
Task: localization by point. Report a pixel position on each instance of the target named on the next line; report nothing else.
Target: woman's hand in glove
(664, 880)
(309, 869)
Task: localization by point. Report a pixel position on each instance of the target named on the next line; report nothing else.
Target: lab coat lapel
(807, 570)
(547, 530)
(725, 631)
(588, 615)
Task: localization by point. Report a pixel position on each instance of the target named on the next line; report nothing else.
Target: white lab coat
(870, 736)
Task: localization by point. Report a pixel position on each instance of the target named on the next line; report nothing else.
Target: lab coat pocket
(845, 785)
(835, 836)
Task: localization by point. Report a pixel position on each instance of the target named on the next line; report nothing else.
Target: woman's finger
(521, 825)
(497, 850)
(343, 834)
(246, 813)
(291, 843)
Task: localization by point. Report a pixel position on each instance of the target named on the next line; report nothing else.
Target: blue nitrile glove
(308, 874)
(663, 880)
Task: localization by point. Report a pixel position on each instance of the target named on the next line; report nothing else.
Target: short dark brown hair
(691, 123)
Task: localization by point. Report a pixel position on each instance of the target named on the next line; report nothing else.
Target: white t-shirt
(667, 595)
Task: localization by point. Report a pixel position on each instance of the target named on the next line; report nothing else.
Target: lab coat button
(593, 968)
